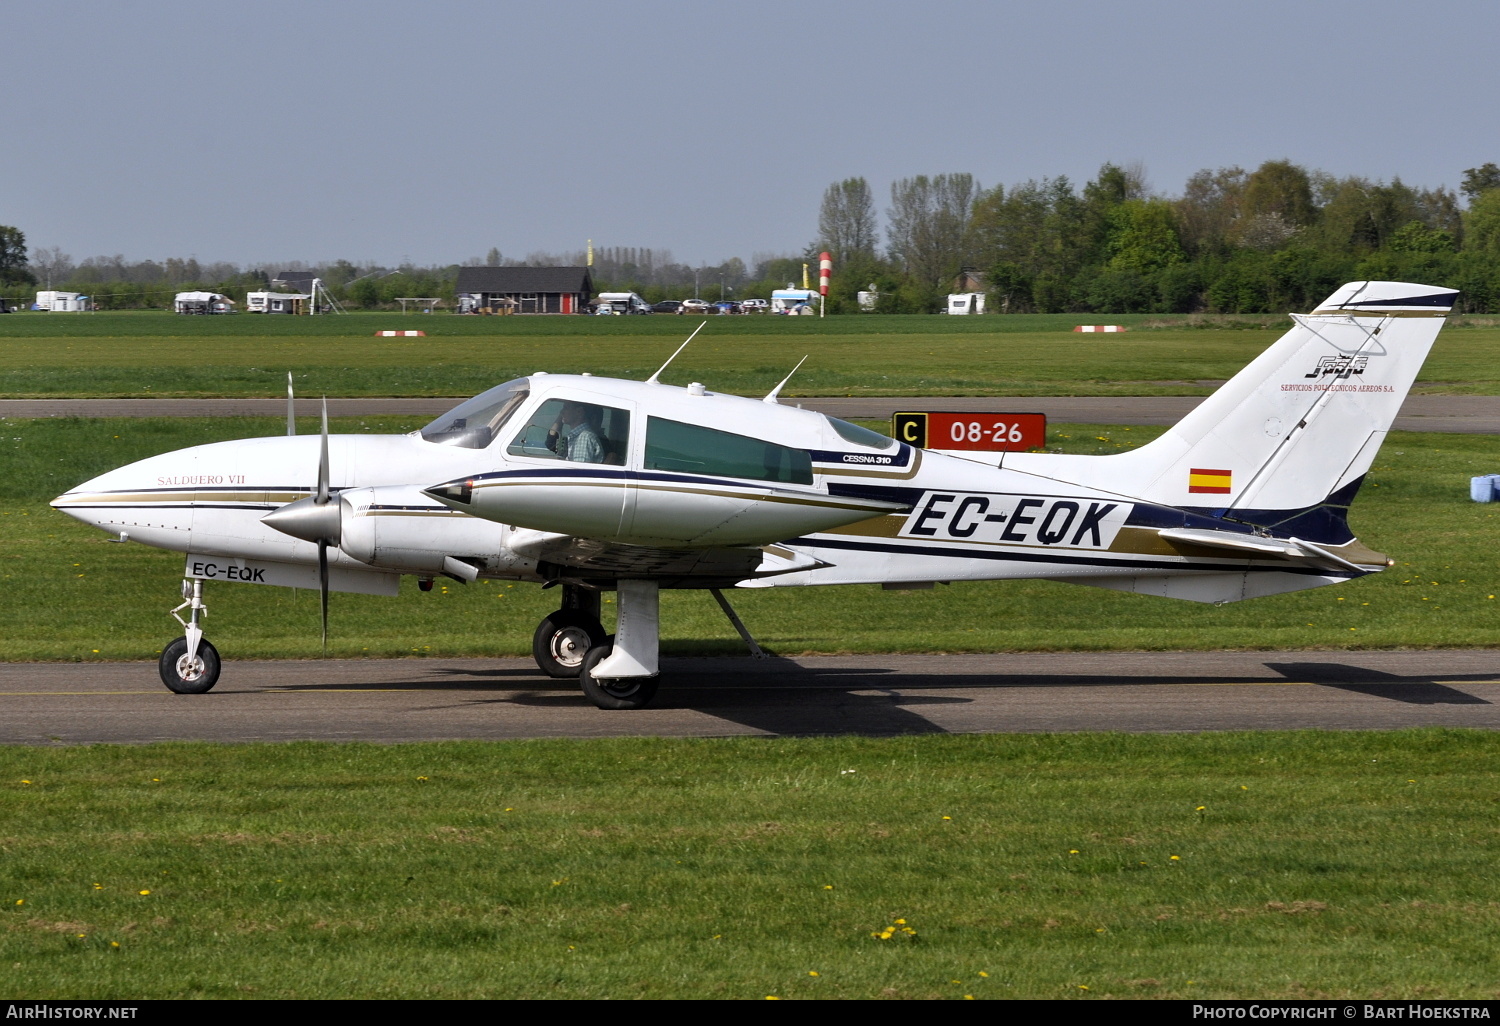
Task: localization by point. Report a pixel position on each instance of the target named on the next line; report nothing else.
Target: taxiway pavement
(495, 699)
(1462, 414)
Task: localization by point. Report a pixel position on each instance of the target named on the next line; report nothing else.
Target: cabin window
(688, 448)
(575, 431)
(474, 423)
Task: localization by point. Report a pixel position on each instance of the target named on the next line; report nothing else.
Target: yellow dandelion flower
(828, 887)
(1072, 851)
(947, 817)
(985, 975)
(1200, 808)
(772, 997)
(1176, 858)
(955, 981)
(98, 887)
(968, 997)
(1082, 987)
(1100, 930)
(144, 893)
(901, 922)
(421, 778)
(114, 944)
(20, 901)
(25, 781)
(811, 972)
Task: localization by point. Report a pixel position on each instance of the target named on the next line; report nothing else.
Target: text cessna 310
(598, 484)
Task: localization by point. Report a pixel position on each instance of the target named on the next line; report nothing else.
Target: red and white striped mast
(825, 271)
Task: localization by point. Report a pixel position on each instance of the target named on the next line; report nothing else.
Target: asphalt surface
(1463, 414)
(495, 699)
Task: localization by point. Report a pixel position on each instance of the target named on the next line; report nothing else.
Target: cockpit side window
(579, 432)
(474, 423)
(671, 445)
(856, 435)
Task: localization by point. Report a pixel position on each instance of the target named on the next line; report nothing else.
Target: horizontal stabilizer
(1291, 549)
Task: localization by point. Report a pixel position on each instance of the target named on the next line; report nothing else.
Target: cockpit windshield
(857, 435)
(474, 423)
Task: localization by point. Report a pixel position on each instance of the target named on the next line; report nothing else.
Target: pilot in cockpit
(576, 434)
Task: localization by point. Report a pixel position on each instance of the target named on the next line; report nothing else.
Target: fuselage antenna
(771, 398)
(652, 379)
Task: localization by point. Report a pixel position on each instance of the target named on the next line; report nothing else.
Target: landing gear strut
(622, 674)
(564, 638)
(190, 665)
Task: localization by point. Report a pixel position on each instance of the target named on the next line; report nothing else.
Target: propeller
(316, 518)
(321, 499)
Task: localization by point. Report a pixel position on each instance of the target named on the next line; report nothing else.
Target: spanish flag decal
(1213, 481)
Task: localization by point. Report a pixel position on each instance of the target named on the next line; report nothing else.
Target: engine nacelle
(397, 527)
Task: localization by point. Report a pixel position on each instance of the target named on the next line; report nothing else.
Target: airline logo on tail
(1215, 482)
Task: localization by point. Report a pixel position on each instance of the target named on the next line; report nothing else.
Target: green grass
(67, 593)
(1293, 865)
(158, 354)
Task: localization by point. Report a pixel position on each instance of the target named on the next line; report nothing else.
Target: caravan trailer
(53, 301)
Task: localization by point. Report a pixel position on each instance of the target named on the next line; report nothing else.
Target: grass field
(1292, 865)
(67, 593)
(159, 354)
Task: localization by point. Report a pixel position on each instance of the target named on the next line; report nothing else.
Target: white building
(276, 302)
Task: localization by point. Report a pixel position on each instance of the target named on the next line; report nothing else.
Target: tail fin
(1298, 427)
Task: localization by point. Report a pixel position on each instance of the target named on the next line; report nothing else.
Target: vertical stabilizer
(1300, 424)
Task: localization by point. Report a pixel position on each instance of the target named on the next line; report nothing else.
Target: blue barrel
(1482, 489)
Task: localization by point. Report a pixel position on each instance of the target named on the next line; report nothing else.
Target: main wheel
(189, 677)
(562, 640)
(617, 693)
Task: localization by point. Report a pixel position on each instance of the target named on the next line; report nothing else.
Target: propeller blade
(323, 590)
(291, 407)
(322, 499)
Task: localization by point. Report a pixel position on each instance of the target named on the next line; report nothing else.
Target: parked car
(666, 306)
(695, 306)
(754, 306)
(727, 306)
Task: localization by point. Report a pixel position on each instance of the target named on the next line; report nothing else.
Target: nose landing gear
(190, 665)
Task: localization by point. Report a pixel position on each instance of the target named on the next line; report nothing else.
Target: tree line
(1278, 238)
(1274, 239)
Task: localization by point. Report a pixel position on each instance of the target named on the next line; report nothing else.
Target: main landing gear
(617, 671)
(564, 638)
(190, 665)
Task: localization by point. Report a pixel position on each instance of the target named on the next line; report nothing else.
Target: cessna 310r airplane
(598, 484)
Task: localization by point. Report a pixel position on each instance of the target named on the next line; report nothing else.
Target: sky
(384, 132)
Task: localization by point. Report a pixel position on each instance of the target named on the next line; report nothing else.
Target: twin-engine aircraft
(599, 484)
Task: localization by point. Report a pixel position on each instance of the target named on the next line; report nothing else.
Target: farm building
(202, 303)
(298, 281)
(557, 290)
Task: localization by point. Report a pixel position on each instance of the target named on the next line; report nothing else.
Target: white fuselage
(687, 470)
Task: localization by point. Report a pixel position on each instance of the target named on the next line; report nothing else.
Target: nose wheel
(190, 665)
(189, 674)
